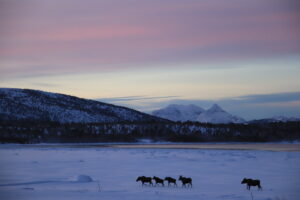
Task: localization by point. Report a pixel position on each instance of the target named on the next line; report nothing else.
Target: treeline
(53, 132)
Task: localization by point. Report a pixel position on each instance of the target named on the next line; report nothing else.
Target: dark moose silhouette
(144, 180)
(250, 182)
(170, 180)
(185, 181)
(158, 180)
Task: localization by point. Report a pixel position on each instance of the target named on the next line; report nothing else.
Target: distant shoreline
(254, 146)
(285, 147)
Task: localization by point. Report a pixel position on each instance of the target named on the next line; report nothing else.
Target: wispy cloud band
(248, 106)
(53, 36)
(135, 98)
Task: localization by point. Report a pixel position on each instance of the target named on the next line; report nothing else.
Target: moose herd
(186, 181)
(158, 181)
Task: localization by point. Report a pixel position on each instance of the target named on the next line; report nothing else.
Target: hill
(35, 105)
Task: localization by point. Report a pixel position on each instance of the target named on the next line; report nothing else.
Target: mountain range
(215, 114)
(33, 105)
(276, 119)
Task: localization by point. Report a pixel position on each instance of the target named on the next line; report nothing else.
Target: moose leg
(259, 187)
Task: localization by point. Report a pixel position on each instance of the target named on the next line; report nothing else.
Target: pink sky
(54, 37)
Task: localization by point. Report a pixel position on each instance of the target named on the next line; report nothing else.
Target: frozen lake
(52, 172)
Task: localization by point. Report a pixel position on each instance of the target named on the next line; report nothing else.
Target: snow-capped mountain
(181, 113)
(216, 115)
(284, 119)
(25, 104)
(276, 119)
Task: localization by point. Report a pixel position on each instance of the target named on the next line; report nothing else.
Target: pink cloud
(119, 33)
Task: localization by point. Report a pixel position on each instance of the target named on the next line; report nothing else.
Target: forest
(54, 132)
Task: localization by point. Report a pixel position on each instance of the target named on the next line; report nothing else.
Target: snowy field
(53, 173)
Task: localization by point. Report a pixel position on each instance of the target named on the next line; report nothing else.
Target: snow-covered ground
(64, 173)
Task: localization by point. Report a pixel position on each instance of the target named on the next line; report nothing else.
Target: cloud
(249, 106)
(64, 37)
(47, 85)
(289, 104)
(268, 98)
(134, 98)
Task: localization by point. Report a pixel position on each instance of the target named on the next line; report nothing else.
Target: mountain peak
(215, 108)
(185, 107)
(176, 112)
(217, 115)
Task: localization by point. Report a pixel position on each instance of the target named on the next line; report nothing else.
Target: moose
(185, 181)
(250, 182)
(158, 181)
(144, 180)
(171, 180)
